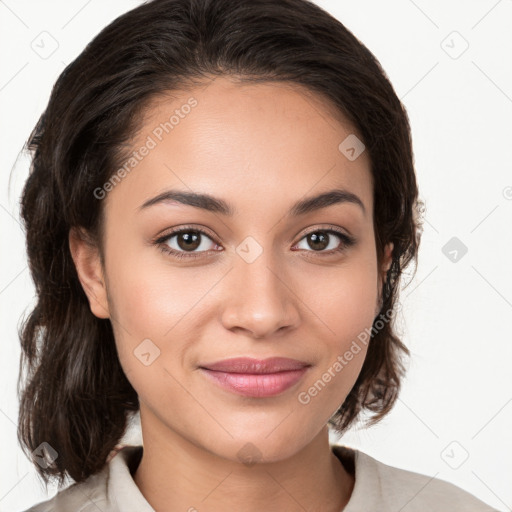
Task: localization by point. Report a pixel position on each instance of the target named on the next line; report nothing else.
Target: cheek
(160, 303)
(345, 302)
(152, 295)
(345, 299)
(351, 307)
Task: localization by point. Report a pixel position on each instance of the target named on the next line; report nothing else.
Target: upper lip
(250, 365)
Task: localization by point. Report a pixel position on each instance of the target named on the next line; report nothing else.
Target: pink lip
(255, 377)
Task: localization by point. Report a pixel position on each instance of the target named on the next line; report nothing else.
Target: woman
(221, 204)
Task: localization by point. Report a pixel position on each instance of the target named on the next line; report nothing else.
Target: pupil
(319, 241)
(190, 239)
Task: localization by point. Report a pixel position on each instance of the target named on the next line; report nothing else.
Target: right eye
(184, 241)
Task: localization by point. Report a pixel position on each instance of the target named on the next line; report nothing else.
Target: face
(247, 275)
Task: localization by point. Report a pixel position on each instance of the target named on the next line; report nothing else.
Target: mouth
(255, 377)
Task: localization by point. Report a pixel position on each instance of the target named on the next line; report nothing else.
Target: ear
(386, 264)
(88, 266)
(388, 258)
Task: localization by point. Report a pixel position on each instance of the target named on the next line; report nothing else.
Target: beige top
(378, 487)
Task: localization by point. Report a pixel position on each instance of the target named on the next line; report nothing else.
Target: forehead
(252, 142)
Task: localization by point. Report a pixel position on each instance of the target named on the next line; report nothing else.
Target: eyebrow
(217, 205)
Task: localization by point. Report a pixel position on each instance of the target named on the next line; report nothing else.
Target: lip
(257, 378)
(255, 366)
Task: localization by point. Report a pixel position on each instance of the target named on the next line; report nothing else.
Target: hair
(76, 396)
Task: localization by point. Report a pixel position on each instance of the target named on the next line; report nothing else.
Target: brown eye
(326, 240)
(186, 242)
(318, 240)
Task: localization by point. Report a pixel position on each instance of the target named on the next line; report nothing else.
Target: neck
(176, 474)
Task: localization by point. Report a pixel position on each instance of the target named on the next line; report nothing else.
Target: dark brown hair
(75, 396)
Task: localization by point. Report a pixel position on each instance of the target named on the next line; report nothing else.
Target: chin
(262, 447)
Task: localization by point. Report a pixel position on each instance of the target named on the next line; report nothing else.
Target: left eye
(324, 240)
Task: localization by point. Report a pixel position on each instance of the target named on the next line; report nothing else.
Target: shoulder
(103, 491)
(386, 488)
(87, 496)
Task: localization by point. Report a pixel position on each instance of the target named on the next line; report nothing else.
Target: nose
(260, 299)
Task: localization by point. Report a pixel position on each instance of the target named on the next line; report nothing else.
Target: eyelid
(180, 229)
(325, 227)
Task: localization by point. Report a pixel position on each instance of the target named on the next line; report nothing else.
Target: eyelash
(347, 242)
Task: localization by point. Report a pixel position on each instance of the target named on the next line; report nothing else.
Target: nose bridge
(260, 300)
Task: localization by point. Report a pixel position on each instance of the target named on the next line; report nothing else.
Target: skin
(260, 147)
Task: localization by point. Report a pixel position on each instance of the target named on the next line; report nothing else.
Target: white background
(457, 399)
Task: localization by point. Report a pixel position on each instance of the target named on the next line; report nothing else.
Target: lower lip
(256, 385)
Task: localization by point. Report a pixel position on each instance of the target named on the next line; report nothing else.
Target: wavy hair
(75, 396)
